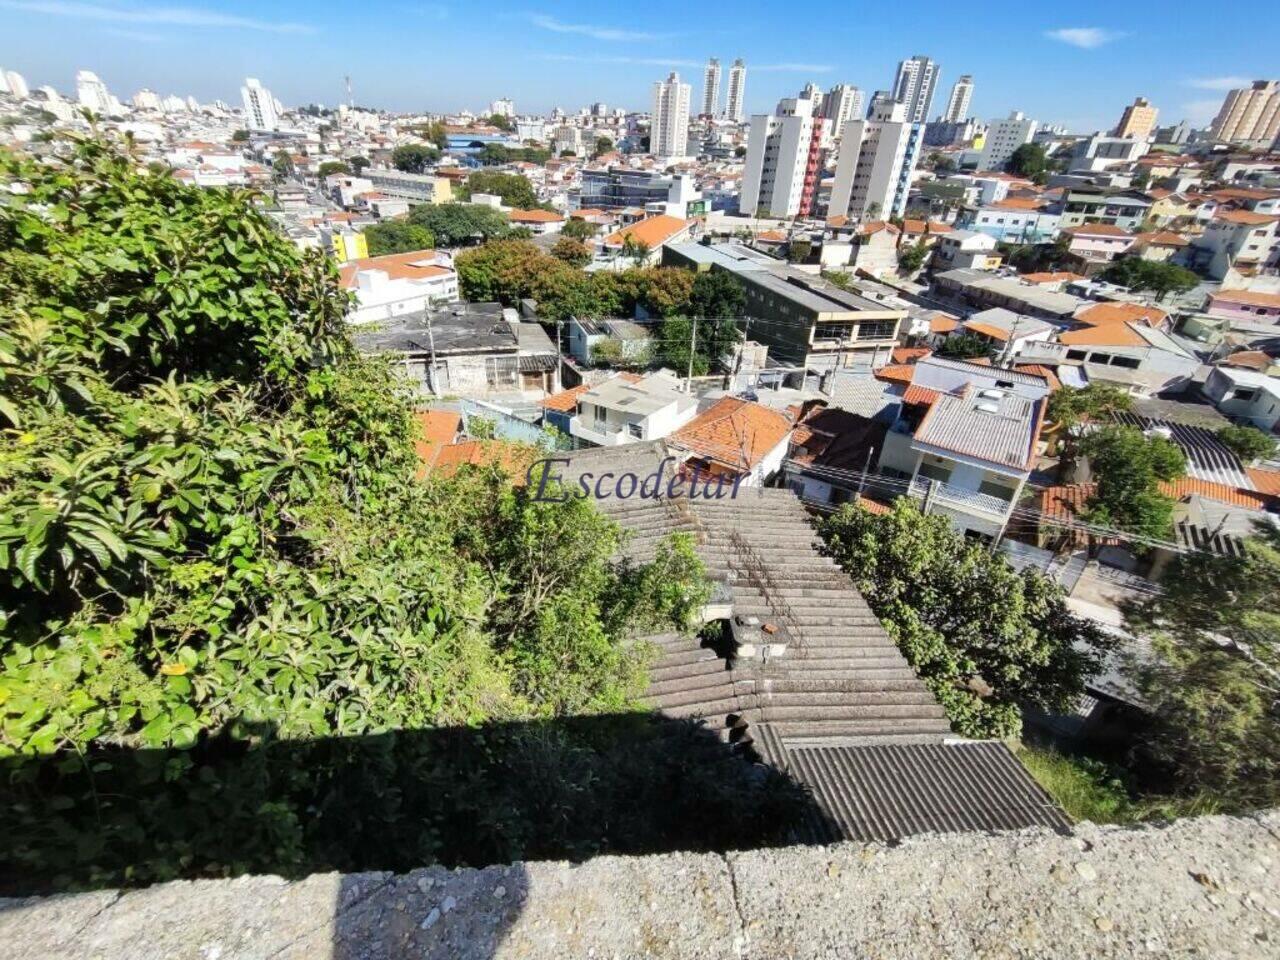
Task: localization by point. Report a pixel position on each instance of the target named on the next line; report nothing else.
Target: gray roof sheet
(459, 328)
(1208, 458)
(962, 424)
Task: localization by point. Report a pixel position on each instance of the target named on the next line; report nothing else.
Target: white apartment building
(146, 99)
(92, 93)
(914, 86)
(958, 103)
(1003, 138)
(568, 139)
(1250, 117)
(778, 154)
(840, 104)
(16, 84)
(877, 157)
(669, 132)
(711, 88)
(619, 411)
(398, 284)
(737, 91)
(259, 106)
(503, 107)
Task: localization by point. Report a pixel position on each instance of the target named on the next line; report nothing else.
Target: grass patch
(1086, 789)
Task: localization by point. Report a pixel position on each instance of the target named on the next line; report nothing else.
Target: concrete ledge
(1208, 887)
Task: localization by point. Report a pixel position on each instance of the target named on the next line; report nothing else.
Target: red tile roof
(909, 354)
(438, 428)
(1097, 230)
(1106, 313)
(414, 265)
(1245, 217)
(1266, 481)
(1249, 298)
(734, 433)
(920, 395)
(1107, 335)
(652, 231)
(897, 373)
(534, 216)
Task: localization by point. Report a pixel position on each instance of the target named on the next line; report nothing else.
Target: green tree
(603, 145)
(578, 229)
(1029, 160)
(240, 136)
(460, 224)
(1247, 443)
(414, 157)
(637, 251)
(282, 166)
(1214, 685)
(799, 250)
(678, 345)
(501, 122)
(395, 236)
(1127, 468)
(504, 270)
(515, 190)
(718, 294)
(359, 165)
(964, 346)
(330, 167)
(913, 257)
(984, 638)
(739, 151)
(1071, 407)
(571, 251)
(1161, 279)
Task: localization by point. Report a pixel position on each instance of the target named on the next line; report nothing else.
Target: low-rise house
(1103, 314)
(1137, 358)
(399, 284)
(1014, 221)
(1160, 247)
(1006, 332)
(830, 451)
(737, 439)
(559, 408)
(619, 411)
(978, 289)
(1097, 244)
(875, 248)
(537, 222)
(966, 249)
(641, 243)
(411, 187)
(612, 340)
(1246, 396)
(1250, 305)
(1236, 242)
(1126, 209)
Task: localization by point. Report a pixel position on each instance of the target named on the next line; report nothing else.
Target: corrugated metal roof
(1208, 458)
(997, 429)
(891, 791)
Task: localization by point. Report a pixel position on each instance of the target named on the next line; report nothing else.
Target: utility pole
(862, 480)
(693, 346)
(737, 365)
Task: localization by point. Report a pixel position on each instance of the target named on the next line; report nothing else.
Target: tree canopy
(1248, 443)
(515, 190)
(396, 236)
(983, 637)
(414, 157)
(1127, 468)
(1161, 279)
(213, 544)
(1029, 160)
(964, 346)
(1071, 407)
(460, 224)
(571, 251)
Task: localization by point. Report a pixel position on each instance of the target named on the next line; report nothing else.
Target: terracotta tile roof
(1036, 369)
(921, 395)
(897, 373)
(909, 354)
(875, 226)
(987, 330)
(733, 432)
(534, 216)
(1244, 193)
(587, 212)
(514, 458)
(1245, 217)
(1104, 313)
(414, 265)
(1108, 335)
(1060, 276)
(567, 400)
(771, 236)
(1070, 501)
(1249, 298)
(438, 429)
(1018, 203)
(873, 506)
(653, 231)
(1097, 230)
(942, 323)
(837, 221)
(1163, 238)
(1266, 481)
(1249, 360)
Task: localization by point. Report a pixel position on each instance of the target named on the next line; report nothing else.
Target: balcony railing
(970, 501)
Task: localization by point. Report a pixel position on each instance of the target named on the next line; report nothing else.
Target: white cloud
(155, 16)
(1200, 113)
(791, 68)
(1217, 83)
(1087, 38)
(589, 30)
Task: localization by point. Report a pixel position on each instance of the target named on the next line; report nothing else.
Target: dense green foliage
(1071, 407)
(414, 157)
(1214, 683)
(516, 191)
(397, 236)
(579, 230)
(500, 121)
(1127, 468)
(330, 167)
(964, 346)
(571, 251)
(494, 154)
(912, 258)
(460, 224)
(983, 637)
(603, 146)
(1086, 789)
(1029, 160)
(212, 540)
(1247, 443)
(1161, 279)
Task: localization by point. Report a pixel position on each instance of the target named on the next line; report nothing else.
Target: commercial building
(414, 187)
(958, 103)
(259, 106)
(1003, 138)
(737, 91)
(1138, 121)
(784, 161)
(711, 88)
(617, 188)
(914, 85)
(1250, 117)
(877, 157)
(1126, 209)
(669, 132)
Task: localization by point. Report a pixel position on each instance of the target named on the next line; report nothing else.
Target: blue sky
(1079, 66)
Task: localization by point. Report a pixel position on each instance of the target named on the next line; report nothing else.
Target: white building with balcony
(618, 411)
(398, 284)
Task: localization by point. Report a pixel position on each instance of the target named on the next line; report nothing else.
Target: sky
(1076, 66)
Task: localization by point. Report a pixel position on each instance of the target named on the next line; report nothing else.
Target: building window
(635, 430)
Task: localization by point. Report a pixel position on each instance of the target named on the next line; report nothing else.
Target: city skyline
(570, 55)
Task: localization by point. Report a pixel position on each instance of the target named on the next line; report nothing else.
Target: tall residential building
(92, 92)
(259, 106)
(737, 91)
(784, 160)
(1138, 121)
(877, 158)
(146, 99)
(914, 86)
(503, 107)
(4, 83)
(879, 100)
(1003, 138)
(958, 103)
(1250, 117)
(669, 131)
(711, 88)
(17, 84)
(841, 104)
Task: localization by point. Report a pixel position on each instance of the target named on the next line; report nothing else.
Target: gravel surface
(1208, 887)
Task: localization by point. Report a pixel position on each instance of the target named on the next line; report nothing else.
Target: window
(1077, 354)
(501, 371)
(636, 430)
(600, 414)
(877, 330)
(1245, 395)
